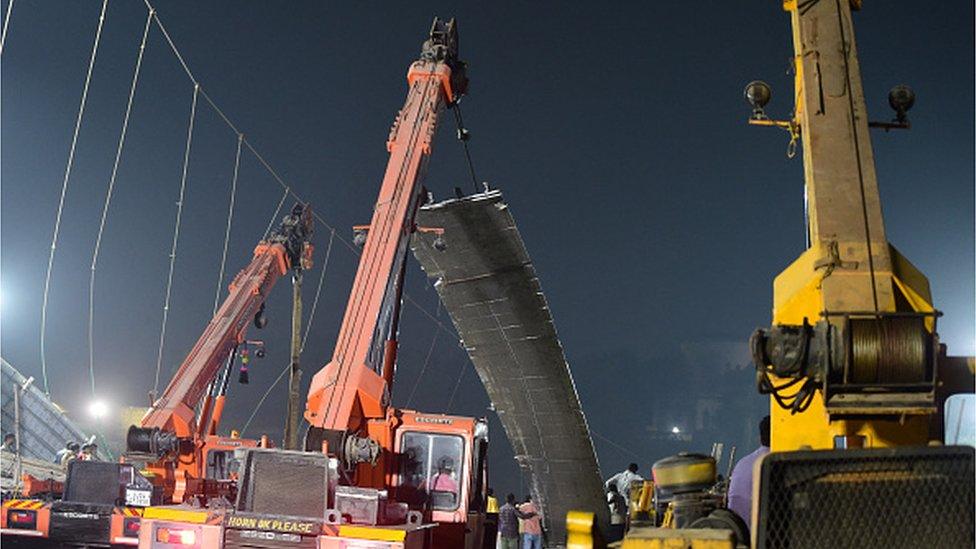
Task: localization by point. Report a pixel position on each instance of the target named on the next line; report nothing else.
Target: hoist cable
(274, 173)
(230, 220)
(463, 136)
(64, 190)
(857, 153)
(6, 24)
(108, 201)
(176, 238)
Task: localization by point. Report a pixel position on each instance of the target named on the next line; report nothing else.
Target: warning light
(176, 536)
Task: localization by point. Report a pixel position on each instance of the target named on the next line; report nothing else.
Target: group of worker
(519, 524)
(73, 451)
(739, 494)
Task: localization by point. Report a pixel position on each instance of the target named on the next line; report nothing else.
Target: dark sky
(656, 217)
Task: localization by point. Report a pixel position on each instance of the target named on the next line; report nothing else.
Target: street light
(675, 430)
(98, 409)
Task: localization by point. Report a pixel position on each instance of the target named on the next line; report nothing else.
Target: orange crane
(348, 401)
(102, 503)
(370, 473)
(187, 457)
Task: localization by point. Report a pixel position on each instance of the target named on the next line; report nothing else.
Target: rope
(176, 238)
(430, 351)
(230, 219)
(308, 328)
(456, 385)
(263, 398)
(6, 23)
(318, 290)
(108, 201)
(64, 188)
(615, 445)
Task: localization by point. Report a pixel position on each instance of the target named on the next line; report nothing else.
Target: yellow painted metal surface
(579, 530)
(850, 266)
(688, 538)
(175, 514)
(685, 473)
(372, 533)
(798, 294)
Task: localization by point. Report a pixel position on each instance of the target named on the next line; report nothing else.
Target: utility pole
(295, 371)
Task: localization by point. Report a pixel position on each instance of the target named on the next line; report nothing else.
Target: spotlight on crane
(758, 94)
(901, 98)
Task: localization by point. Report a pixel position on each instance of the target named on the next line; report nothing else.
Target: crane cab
(441, 471)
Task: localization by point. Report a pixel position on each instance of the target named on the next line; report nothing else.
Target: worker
(492, 506)
(508, 517)
(623, 481)
(618, 514)
(532, 526)
(740, 484)
(491, 515)
(67, 454)
(89, 452)
(9, 443)
(444, 481)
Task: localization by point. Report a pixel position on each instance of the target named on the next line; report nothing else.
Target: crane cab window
(430, 469)
(221, 465)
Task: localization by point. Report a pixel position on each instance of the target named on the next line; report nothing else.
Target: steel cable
(230, 220)
(64, 190)
(6, 24)
(274, 216)
(108, 201)
(267, 165)
(420, 376)
(176, 238)
(318, 290)
(308, 328)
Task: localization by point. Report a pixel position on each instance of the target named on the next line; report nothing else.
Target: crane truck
(186, 460)
(857, 377)
(370, 475)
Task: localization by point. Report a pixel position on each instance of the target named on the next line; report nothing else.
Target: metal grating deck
(487, 283)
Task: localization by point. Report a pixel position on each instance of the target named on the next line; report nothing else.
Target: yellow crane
(853, 321)
(853, 365)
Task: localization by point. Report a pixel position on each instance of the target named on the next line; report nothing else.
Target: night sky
(655, 216)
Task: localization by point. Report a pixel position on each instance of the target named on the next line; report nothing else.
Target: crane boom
(354, 386)
(284, 250)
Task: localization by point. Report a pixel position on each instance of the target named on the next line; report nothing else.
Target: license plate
(139, 498)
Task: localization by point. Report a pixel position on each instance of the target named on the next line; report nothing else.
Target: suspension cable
(6, 23)
(108, 201)
(230, 219)
(274, 173)
(274, 216)
(176, 238)
(64, 188)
